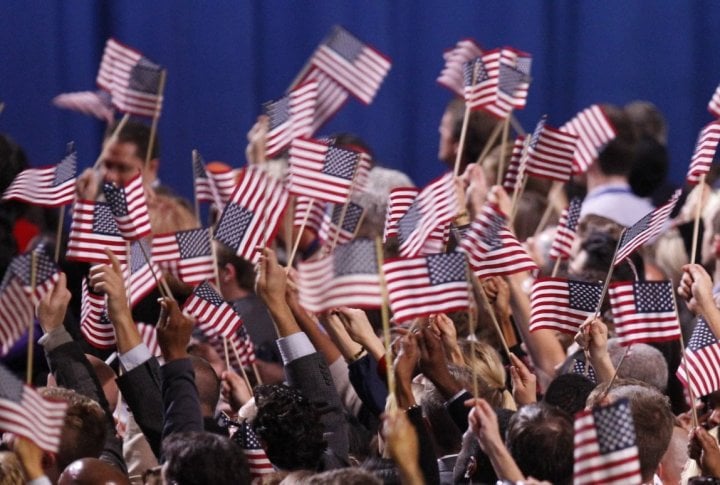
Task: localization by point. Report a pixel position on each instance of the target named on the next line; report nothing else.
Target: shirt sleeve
(135, 357)
(295, 346)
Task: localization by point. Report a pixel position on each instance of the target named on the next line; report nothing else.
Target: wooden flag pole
(288, 224)
(156, 117)
(239, 361)
(556, 268)
(615, 374)
(480, 295)
(691, 394)
(58, 235)
(343, 213)
(213, 250)
(299, 235)
(461, 142)
(112, 139)
(160, 282)
(517, 195)
(549, 209)
(696, 226)
(609, 275)
(227, 355)
(195, 194)
(392, 401)
(489, 143)
(503, 144)
(31, 330)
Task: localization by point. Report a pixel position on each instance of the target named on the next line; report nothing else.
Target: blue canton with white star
(145, 77)
(66, 169)
(193, 243)
(701, 337)
(357, 257)
(409, 222)
(446, 268)
(278, 111)
(474, 68)
(653, 296)
(584, 296)
(614, 426)
(345, 44)
(116, 199)
(103, 220)
(11, 388)
(233, 225)
(340, 163)
(637, 228)
(207, 293)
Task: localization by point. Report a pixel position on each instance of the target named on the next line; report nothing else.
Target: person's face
(713, 410)
(446, 150)
(121, 163)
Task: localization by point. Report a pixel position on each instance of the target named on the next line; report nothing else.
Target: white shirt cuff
(135, 357)
(295, 346)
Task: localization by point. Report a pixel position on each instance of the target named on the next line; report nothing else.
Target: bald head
(92, 471)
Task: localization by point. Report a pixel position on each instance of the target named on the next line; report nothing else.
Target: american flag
(95, 324)
(93, 228)
(215, 317)
(53, 186)
(701, 358)
(290, 117)
(185, 254)
(252, 215)
(551, 154)
(423, 228)
(129, 207)
(132, 80)
(317, 213)
(594, 130)
(514, 168)
(705, 152)
(420, 286)
(214, 187)
(714, 104)
(148, 334)
(578, 367)
(46, 273)
(644, 311)
(239, 340)
(139, 278)
(399, 202)
(330, 227)
(16, 310)
(322, 171)
(480, 88)
(501, 81)
(492, 249)
(331, 96)
(566, 229)
(606, 446)
(26, 413)
(346, 277)
(91, 103)
(359, 68)
(452, 75)
(257, 459)
(647, 228)
(561, 304)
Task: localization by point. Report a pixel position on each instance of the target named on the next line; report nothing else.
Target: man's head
(540, 440)
(125, 156)
(237, 275)
(195, 458)
(84, 430)
(207, 384)
(569, 392)
(480, 127)
(89, 471)
(641, 362)
(289, 428)
(651, 414)
(618, 156)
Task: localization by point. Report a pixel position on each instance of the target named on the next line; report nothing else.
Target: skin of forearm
(126, 332)
(603, 368)
(281, 314)
(504, 464)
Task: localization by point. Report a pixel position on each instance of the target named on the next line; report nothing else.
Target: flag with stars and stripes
(399, 202)
(420, 286)
(452, 75)
(24, 412)
(129, 208)
(322, 171)
(92, 103)
(93, 228)
(139, 272)
(605, 446)
(705, 152)
(330, 228)
(148, 334)
(215, 317)
(566, 230)
(252, 215)
(213, 187)
(331, 96)
(290, 117)
(47, 272)
(132, 80)
(644, 311)
(701, 358)
(355, 66)
(315, 216)
(647, 228)
(551, 154)
(424, 227)
(492, 249)
(578, 367)
(562, 305)
(53, 186)
(258, 462)
(95, 324)
(16, 310)
(594, 130)
(514, 168)
(480, 89)
(185, 254)
(241, 341)
(714, 104)
(346, 277)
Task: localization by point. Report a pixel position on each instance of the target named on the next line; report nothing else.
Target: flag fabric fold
(185, 254)
(95, 324)
(129, 208)
(290, 117)
(566, 229)
(562, 305)
(644, 311)
(258, 461)
(93, 228)
(701, 358)
(551, 154)
(92, 103)
(139, 272)
(215, 317)
(52, 186)
(705, 152)
(594, 130)
(452, 75)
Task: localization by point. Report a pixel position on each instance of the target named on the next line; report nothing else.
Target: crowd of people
(323, 403)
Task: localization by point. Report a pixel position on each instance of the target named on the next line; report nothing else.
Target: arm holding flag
(696, 289)
(595, 340)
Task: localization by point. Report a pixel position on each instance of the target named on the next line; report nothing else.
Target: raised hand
(173, 331)
(52, 307)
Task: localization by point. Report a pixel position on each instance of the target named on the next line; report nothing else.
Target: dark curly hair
(290, 428)
(200, 457)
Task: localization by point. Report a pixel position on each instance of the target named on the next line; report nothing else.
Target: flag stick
(480, 295)
(522, 179)
(227, 354)
(343, 213)
(461, 143)
(213, 250)
(517, 195)
(258, 379)
(490, 143)
(615, 374)
(288, 225)
(609, 275)
(556, 268)
(160, 282)
(299, 234)
(240, 365)
(31, 330)
(691, 394)
(386, 325)
(503, 144)
(195, 194)
(156, 117)
(549, 208)
(112, 139)
(696, 226)
(517, 126)
(58, 235)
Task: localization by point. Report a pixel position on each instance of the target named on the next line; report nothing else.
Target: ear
(152, 166)
(229, 273)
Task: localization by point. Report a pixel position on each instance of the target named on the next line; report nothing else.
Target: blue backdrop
(225, 58)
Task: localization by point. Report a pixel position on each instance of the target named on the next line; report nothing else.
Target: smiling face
(121, 162)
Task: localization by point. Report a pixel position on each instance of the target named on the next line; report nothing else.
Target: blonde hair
(484, 364)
